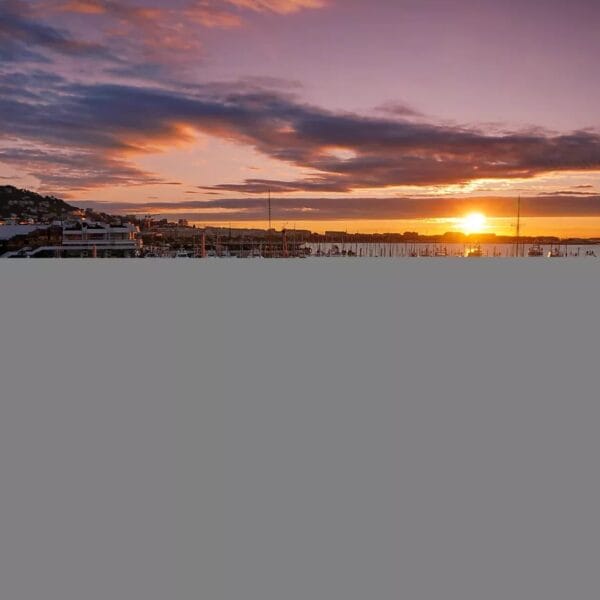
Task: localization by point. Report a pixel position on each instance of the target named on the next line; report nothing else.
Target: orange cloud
(86, 7)
(210, 13)
(278, 6)
(212, 17)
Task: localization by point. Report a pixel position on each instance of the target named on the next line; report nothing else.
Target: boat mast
(518, 225)
(269, 206)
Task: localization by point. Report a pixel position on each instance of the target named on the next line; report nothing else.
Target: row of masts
(518, 232)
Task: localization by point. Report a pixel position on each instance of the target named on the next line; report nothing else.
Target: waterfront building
(101, 239)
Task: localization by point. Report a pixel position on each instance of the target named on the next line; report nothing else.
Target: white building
(87, 239)
(100, 237)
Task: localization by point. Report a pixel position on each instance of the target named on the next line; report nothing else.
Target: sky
(357, 115)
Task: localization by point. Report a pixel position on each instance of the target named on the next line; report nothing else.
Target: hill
(22, 205)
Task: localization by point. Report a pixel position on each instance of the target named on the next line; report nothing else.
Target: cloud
(278, 6)
(213, 17)
(109, 124)
(132, 9)
(176, 21)
(154, 40)
(399, 109)
(70, 171)
(23, 38)
(149, 37)
(349, 209)
(569, 193)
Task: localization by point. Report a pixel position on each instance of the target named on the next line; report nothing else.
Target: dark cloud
(327, 209)
(25, 39)
(102, 127)
(568, 193)
(399, 109)
(74, 170)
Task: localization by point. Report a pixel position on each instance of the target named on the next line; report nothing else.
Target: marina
(97, 240)
(406, 250)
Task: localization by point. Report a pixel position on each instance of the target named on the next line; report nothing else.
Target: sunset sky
(371, 115)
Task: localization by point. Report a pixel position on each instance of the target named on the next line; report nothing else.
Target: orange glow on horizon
(588, 227)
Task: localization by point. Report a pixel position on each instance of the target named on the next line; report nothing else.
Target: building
(87, 239)
(101, 239)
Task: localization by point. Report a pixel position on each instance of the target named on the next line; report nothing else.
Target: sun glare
(474, 223)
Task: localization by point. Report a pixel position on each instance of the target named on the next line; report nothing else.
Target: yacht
(474, 252)
(183, 254)
(535, 250)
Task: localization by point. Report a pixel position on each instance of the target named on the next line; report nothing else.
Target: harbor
(83, 239)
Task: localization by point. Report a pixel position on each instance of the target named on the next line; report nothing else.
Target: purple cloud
(348, 209)
(104, 125)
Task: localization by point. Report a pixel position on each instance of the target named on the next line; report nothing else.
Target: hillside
(23, 204)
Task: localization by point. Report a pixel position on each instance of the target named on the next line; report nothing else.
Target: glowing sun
(474, 223)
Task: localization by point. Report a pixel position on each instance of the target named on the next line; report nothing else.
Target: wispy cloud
(278, 6)
(70, 170)
(399, 109)
(24, 38)
(148, 41)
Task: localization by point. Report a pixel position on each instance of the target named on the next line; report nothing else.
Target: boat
(535, 250)
(182, 254)
(474, 252)
(555, 253)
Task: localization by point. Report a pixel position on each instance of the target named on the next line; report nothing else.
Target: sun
(474, 222)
